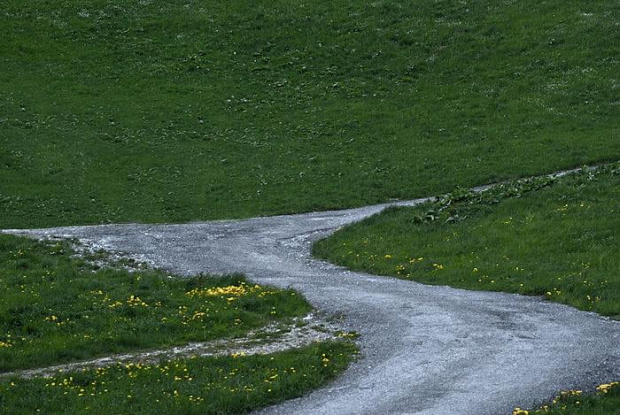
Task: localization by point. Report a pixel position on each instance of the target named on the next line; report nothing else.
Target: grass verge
(556, 238)
(55, 308)
(206, 385)
(606, 401)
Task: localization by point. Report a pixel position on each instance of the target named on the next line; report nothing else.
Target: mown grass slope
(153, 111)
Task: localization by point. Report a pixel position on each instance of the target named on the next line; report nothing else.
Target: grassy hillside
(551, 238)
(145, 110)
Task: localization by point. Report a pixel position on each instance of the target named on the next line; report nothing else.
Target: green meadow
(202, 385)
(55, 308)
(554, 238)
(58, 308)
(158, 111)
(153, 111)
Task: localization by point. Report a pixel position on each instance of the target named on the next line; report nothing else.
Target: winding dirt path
(427, 350)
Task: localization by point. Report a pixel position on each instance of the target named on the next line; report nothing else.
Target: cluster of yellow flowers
(566, 394)
(56, 320)
(325, 360)
(195, 399)
(91, 389)
(606, 387)
(561, 398)
(134, 301)
(232, 291)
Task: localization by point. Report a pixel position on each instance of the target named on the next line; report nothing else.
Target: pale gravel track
(426, 349)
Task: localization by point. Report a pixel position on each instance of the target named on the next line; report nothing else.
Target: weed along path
(426, 349)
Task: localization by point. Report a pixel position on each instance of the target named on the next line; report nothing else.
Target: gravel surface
(426, 349)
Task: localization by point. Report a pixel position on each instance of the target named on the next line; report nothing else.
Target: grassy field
(207, 385)
(496, 241)
(158, 111)
(56, 309)
(153, 111)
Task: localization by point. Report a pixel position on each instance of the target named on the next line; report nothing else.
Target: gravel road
(426, 350)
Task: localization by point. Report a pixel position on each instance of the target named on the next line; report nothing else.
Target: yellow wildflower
(606, 387)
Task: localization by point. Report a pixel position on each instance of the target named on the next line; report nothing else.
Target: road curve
(426, 349)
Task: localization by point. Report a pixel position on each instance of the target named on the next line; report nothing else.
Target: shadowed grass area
(56, 309)
(159, 111)
(557, 239)
(211, 385)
